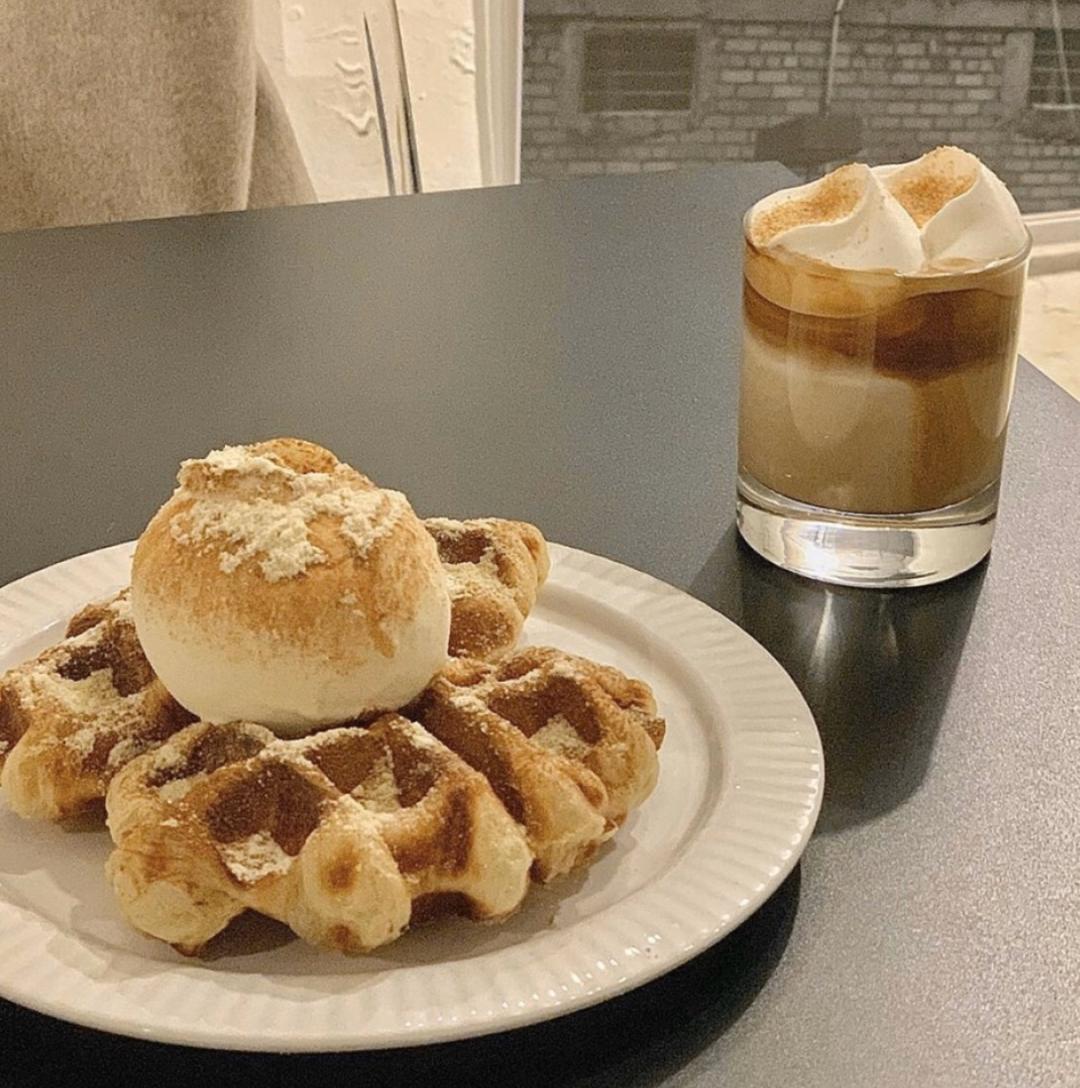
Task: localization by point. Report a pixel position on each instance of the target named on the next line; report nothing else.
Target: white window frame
(1055, 241)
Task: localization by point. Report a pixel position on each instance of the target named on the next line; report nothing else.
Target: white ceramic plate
(739, 791)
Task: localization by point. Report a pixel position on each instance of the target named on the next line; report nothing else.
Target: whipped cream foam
(943, 210)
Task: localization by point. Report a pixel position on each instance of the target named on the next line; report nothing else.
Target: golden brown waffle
(348, 835)
(495, 569)
(345, 836)
(568, 745)
(75, 714)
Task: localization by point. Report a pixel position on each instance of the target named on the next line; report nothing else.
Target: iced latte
(880, 316)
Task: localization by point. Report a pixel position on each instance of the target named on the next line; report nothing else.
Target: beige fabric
(130, 109)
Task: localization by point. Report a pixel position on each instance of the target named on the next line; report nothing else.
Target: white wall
(464, 94)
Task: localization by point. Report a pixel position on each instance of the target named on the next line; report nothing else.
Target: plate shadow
(641, 1038)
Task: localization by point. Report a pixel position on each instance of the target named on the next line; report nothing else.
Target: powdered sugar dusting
(474, 579)
(419, 737)
(125, 751)
(558, 735)
(93, 694)
(87, 706)
(378, 791)
(119, 606)
(177, 789)
(235, 459)
(82, 740)
(468, 702)
(282, 750)
(166, 757)
(527, 681)
(566, 668)
(246, 530)
(272, 526)
(454, 528)
(311, 743)
(254, 858)
(363, 531)
(472, 576)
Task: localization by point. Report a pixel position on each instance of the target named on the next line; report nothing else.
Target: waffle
(496, 773)
(346, 836)
(71, 717)
(569, 746)
(494, 569)
(67, 725)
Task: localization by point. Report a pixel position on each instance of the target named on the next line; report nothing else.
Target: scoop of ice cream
(963, 210)
(281, 586)
(847, 219)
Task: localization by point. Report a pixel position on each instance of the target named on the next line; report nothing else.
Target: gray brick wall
(915, 87)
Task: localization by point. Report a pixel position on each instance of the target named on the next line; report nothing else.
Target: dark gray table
(567, 353)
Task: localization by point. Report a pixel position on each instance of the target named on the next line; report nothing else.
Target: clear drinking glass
(872, 417)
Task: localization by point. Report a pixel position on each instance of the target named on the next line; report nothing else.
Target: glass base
(875, 550)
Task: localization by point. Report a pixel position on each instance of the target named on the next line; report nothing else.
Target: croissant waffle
(67, 725)
(71, 717)
(569, 746)
(351, 834)
(494, 569)
(345, 835)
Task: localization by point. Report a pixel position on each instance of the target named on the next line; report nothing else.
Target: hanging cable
(830, 69)
(1063, 60)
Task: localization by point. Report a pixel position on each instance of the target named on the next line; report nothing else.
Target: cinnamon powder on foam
(835, 196)
(923, 195)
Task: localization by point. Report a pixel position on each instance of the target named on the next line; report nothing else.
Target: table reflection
(876, 667)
